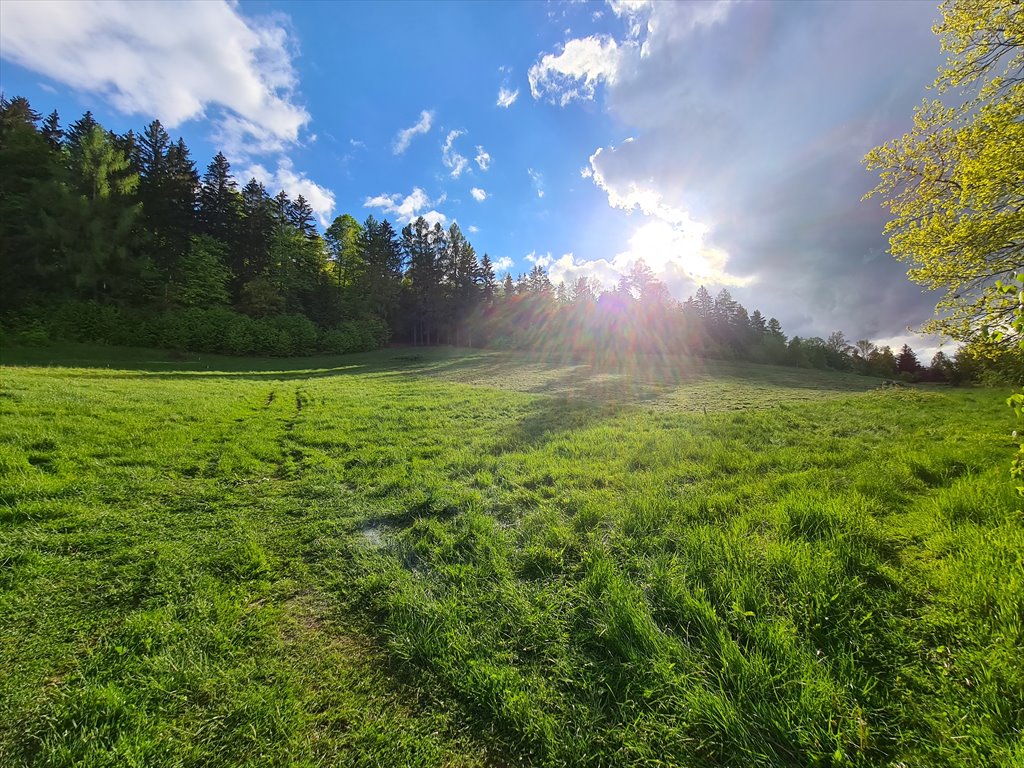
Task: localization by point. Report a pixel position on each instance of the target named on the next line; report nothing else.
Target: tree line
(117, 238)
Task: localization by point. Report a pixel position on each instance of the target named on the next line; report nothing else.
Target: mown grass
(463, 558)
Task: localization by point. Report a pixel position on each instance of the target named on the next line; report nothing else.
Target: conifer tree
(488, 283)
(51, 131)
(219, 201)
(300, 215)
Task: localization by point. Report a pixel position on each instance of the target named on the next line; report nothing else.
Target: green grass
(438, 557)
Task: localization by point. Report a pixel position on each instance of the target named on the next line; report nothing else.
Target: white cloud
(577, 70)
(452, 160)
(483, 158)
(478, 194)
(320, 199)
(725, 200)
(406, 135)
(671, 242)
(472, 229)
(408, 207)
(566, 269)
(167, 61)
(506, 97)
(630, 195)
(628, 7)
(435, 217)
(924, 346)
(503, 264)
(537, 179)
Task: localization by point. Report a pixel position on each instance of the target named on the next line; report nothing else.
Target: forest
(118, 239)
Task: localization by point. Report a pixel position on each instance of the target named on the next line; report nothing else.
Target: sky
(719, 141)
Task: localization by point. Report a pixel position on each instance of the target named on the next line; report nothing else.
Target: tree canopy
(954, 183)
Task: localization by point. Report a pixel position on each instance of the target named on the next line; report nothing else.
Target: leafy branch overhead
(954, 183)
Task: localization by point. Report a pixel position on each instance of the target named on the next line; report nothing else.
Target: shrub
(84, 321)
(300, 331)
(240, 338)
(197, 329)
(35, 335)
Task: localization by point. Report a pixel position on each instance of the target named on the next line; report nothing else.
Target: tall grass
(468, 559)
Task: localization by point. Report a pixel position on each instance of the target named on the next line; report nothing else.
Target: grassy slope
(446, 558)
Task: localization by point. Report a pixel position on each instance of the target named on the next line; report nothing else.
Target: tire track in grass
(289, 466)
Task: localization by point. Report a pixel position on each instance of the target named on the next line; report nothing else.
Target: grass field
(443, 558)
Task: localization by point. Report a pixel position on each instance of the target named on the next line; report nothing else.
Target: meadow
(464, 558)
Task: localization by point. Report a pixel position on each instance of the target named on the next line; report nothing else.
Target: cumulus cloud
(750, 122)
(478, 194)
(435, 217)
(153, 59)
(537, 179)
(504, 264)
(406, 135)
(472, 229)
(452, 160)
(678, 255)
(539, 259)
(405, 208)
(483, 159)
(506, 97)
(577, 70)
(320, 199)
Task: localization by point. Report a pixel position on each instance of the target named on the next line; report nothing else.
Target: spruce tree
(219, 201)
(51, 131)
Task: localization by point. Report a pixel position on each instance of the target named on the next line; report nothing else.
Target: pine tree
(300, 214)
(421, 247)
(18, 111)
(152, 161)
(703, 304)
(256, 231)
(31, 175)
(906, 361)
(282, 208)
(941, 368)
(51, 131)
(488, 283)
(758, 326)
(93, 225)
(377, 283)
(78, 130)
(219, 201)
(180, 193)
(459, 270)
(153, 144)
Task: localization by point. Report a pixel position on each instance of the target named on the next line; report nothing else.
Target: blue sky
(719, 141)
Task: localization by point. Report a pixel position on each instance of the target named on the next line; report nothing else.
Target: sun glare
(680, 249)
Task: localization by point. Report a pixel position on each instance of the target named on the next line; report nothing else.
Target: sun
(674, 248)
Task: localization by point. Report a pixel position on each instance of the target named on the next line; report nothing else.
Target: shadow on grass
(602, 378)
(586, 404)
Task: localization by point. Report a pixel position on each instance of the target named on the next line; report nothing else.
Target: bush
(240, 338)
(268, 339)
(195, 329)
(35, 335)
(84, 321)
(300, 331)
(360, 335)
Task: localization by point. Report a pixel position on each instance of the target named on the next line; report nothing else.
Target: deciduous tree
(954, 183)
